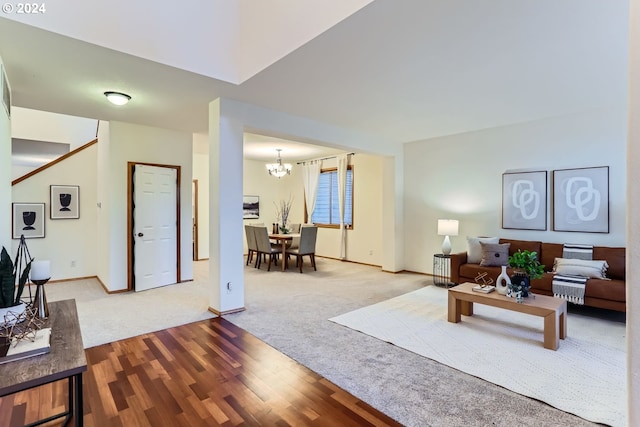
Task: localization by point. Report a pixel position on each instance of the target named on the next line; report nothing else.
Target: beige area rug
(586, 376)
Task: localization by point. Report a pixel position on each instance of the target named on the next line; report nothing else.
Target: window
(327, 210)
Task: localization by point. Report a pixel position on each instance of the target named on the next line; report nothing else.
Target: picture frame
(524, 200)
(6, 91)
(250, 207)
(28, 219)
(64, 201)
(581, 199)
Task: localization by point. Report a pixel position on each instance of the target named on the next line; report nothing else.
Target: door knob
(140, 234)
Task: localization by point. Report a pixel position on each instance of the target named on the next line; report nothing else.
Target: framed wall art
(524, 200)
(27, 219)
(250, 207)
(581, 199)
(65, 201)
(6, 91)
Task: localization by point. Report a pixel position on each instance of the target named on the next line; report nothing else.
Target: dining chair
(307, 246)
(251, 242)
(295, 241)
(265, 247)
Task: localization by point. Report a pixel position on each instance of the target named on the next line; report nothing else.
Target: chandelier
(279, 169)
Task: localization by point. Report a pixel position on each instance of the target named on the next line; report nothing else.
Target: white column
(226, 233)
(633, 219)
(392, 213)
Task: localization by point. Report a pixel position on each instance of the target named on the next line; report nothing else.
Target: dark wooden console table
(65, 361)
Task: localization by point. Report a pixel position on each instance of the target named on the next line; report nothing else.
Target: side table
(441, 267)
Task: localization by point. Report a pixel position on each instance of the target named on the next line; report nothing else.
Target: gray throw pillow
(494, 254)
(474, 250)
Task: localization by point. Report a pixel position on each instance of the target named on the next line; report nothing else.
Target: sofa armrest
(456, 261)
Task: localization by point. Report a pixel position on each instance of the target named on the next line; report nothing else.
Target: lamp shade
(447, 227)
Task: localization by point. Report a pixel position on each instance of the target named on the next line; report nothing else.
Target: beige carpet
(585, 376)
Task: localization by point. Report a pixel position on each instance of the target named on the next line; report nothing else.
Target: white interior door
(155, 231)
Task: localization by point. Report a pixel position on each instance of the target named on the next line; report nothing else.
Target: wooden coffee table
(553, 310)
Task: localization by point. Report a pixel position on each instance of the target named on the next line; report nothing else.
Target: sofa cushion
(524, 245)
(612, 290)
(615, 257)
(580, 267)
(494, 254)
(474, 250)
(549, 253)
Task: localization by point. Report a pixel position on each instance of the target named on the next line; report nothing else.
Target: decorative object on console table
(40, 274)
(526, 266)
(441, 273)
(16, 349)
(503, 281)
(446, 228)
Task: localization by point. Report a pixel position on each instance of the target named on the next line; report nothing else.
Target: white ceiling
(400, 70)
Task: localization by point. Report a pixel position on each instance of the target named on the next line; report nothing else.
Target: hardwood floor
(208, 373)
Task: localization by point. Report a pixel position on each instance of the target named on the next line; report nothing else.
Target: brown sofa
(609, 294)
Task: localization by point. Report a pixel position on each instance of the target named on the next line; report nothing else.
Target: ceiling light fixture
(117, 98)
(279, 169)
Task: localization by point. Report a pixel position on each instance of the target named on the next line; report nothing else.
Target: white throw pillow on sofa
(474, 249)
(581, 267)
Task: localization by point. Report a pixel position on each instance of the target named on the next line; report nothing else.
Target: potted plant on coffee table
(526, 266)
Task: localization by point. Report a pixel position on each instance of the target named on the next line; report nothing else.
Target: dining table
(283, 239)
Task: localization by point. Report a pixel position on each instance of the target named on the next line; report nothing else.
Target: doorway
(194, 219)
(153, 225)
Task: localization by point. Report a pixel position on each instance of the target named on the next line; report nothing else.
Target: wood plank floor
(208, 373)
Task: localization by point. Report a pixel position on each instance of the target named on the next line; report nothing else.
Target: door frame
(130, 241)
(195, 220)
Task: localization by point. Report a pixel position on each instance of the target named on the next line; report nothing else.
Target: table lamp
(446, 228)
(40, 274)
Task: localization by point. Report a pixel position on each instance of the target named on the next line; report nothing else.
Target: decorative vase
(503, 281)
(520, 281)
(9, 315)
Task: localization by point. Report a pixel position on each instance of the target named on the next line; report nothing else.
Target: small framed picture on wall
(65, 202)
(27, 219)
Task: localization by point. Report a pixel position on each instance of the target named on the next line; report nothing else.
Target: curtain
(310, 178)
(343, 163)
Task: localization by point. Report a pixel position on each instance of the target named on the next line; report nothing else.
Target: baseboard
(222, 313)
(72, 279)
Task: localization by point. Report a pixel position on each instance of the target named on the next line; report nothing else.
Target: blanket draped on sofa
(572, 288)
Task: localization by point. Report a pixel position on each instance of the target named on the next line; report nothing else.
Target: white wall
(52, 127)
(201, 173)
(136, 143)
(5, 175)
(70, 244)
(49, 127)
(460, 177)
